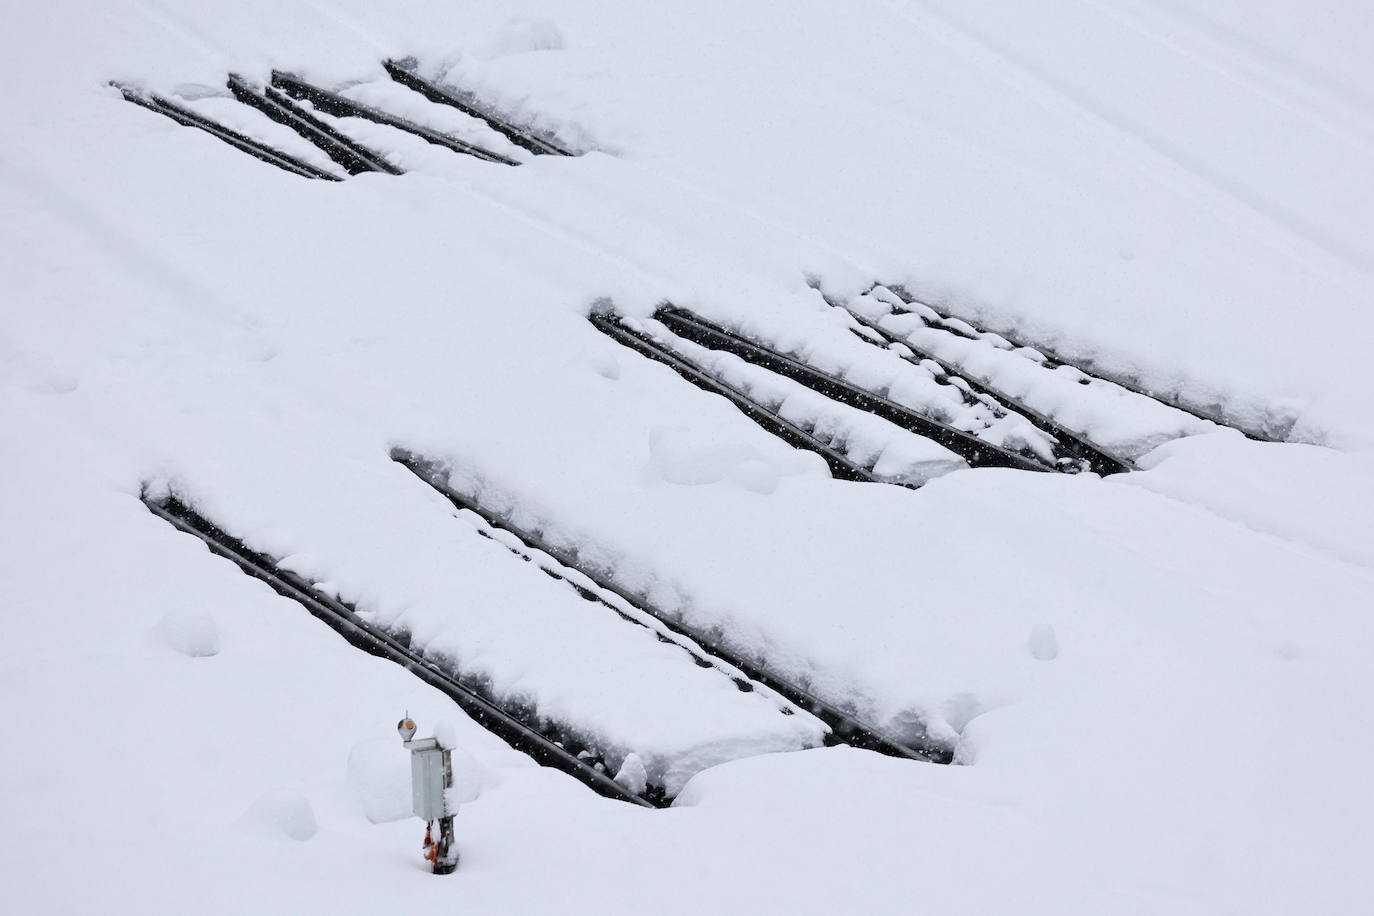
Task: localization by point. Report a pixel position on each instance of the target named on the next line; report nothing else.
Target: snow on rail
(561, 666)
(183, 114)
(425, 109)
(541, 740)
(846, 727)
(343, 107)
(1072, 451)
(1107, 410)
(405, 72)
(343, 149)
(977, 451)
(855, 445)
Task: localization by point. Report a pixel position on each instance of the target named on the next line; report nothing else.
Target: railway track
(977, 452)
(845, 726)
(1081, 421)
(550, 742)
(1072, 449)
(353, 156)
(258, 150)
(307, 109)
(340, 106)
(616, 328)
(1045, 383)
(406, 73)
(547, 743)
(691, 346)
(1047, 358)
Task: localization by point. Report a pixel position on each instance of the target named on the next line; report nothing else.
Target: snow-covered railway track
(542, 741)
(347, 152)
(343, 107)
(1070, 447)
(585, 587)
(977, 452)
(185, 116)
(405, 73)
(845, 726)
(1032, 378)
(792, 433)
(294, 114)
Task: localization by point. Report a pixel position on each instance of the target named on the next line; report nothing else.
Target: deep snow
(1159, 681)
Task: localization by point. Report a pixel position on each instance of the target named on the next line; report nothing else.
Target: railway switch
(431, 775)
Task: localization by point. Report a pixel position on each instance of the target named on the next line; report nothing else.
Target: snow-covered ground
(1159, 682)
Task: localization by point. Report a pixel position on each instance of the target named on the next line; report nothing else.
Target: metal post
(431, 775)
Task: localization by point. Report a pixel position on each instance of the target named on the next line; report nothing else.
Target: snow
(282, 812)
(191, 634)
(1156, 681)
(1043, 643)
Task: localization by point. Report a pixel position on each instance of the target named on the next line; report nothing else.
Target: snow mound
(1043, 643)
(192, 634)
(523, 34)
(379, 776)
(693, 456)
(283, 812)
(632, 775)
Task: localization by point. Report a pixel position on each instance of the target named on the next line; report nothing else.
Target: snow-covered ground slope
(1157, 681)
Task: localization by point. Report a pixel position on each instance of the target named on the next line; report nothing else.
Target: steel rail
(1074, 444)
(403, 72)
(968, 446)
(343, 107)
(846, 728)
(1053, 360)
(347, 152)
(344, 620)
(242, 142)
(840, 465)
(700, 657)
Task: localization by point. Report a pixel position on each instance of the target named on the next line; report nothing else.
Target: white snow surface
(1158, 682)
